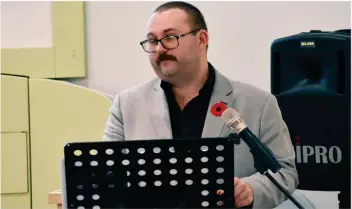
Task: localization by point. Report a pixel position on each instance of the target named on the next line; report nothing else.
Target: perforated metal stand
(182, 173)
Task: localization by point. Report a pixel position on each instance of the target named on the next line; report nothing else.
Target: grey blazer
(142, 113)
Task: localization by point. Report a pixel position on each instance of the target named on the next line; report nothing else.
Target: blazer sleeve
(274, 133)
(114, 130)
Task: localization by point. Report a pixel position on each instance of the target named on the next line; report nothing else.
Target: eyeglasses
(168, 42)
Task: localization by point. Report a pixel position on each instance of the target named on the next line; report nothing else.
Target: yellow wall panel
(69, 39)
(14, 163)
(60, 112)
(16, 201)
(66, 59)
(31, 62)
(14, 104)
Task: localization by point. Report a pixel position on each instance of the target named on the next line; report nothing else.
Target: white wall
(240, 37)
(26, 24)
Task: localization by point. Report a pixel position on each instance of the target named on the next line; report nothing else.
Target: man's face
(169, 64)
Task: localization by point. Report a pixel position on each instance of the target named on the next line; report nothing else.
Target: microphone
(263, 157)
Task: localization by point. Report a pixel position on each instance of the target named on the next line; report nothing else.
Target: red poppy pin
(218, 108)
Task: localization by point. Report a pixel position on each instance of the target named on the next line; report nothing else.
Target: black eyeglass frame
(160, 40)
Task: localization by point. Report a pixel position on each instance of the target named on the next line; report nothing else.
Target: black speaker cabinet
(311, 79)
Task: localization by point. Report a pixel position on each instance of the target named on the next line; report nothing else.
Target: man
(177, 104)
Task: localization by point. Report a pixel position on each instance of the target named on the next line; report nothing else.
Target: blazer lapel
(213, 126)
(160, 117)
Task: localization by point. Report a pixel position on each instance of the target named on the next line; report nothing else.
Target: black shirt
(189, 122)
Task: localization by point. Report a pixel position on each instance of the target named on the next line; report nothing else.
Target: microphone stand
(263, 169)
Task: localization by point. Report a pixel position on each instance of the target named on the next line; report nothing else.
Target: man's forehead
(167, 21)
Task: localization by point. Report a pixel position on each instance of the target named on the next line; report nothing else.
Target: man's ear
(203, 39)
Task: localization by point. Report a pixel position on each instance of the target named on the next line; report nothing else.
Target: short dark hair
(195, 16)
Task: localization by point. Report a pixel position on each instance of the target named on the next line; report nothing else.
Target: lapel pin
(218, 108)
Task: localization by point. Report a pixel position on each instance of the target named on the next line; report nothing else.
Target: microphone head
(233, 119)
(228, 115)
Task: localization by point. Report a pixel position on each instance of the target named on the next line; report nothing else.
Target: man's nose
(160, 48)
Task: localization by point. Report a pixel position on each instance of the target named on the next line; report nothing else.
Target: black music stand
(182, 173)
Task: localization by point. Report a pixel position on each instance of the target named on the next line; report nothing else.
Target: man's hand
(243, 193)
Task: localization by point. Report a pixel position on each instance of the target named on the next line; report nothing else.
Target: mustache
(164, 57)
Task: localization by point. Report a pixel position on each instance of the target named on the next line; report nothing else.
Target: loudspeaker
(310, 77)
